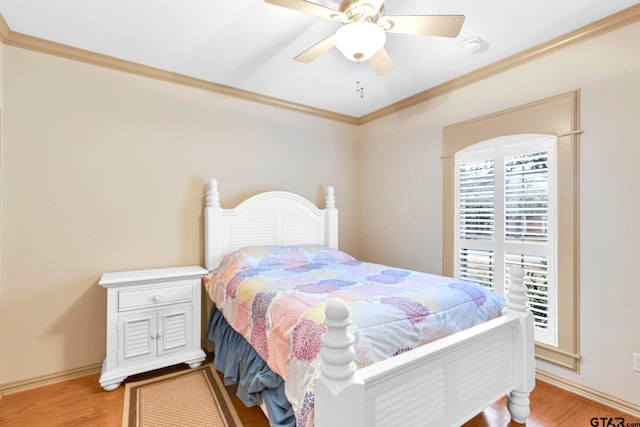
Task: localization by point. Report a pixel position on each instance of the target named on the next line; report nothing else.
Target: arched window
(512, 225)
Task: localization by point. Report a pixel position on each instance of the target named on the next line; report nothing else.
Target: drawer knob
(157, 298)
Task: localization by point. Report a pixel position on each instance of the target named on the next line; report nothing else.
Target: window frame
(557, 115)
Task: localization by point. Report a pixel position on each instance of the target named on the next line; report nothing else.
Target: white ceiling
(250, 45)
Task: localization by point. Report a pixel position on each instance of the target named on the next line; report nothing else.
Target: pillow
(265, 257)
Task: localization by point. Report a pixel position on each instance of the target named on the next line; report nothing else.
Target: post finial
(337, 351)
(330, 198)
(212, 195)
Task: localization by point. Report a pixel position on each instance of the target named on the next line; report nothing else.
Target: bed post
(212, 226)
(339, 398)
(524, 351)
(331, 219)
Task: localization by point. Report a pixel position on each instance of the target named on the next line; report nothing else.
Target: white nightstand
(153, 321)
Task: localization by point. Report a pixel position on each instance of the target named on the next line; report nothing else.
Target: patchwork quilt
(275, 297)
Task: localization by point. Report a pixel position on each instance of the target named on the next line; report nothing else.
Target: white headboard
(271, 218)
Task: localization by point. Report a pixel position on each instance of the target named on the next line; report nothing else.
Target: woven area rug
(195, 397)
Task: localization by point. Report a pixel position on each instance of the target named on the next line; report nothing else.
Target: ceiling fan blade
(430, 25)
(306, 7)
(316, 50)
(381, 62)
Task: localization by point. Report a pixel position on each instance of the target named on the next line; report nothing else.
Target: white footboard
(444, 383)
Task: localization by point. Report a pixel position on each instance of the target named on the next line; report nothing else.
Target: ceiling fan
(364, 26)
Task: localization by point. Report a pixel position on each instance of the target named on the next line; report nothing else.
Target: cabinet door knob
(157, 298)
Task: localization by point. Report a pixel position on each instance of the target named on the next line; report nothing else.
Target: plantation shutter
(505, 216)
(476, 221)
(477, 208)
(526, 192)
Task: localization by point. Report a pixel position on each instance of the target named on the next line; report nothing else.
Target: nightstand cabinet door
(153, 333)
(174, 330)
(137, 336)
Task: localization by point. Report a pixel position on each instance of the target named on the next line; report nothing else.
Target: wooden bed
(444, 383)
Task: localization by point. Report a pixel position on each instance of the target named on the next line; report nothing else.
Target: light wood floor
(82, 402)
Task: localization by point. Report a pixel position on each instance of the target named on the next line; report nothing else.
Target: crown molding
(613, 22)
(4, 29)
(24, 41)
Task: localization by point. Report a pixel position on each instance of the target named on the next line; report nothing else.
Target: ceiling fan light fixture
(359, 41)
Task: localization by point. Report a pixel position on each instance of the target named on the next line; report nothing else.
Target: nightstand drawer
(129, 300)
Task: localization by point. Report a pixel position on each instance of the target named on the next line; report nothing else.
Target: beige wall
(104, 171)
(402, 175)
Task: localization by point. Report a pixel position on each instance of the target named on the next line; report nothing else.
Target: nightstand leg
(196, 361)
(108, 382)
(111, 386)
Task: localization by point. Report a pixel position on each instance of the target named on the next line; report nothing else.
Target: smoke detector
(471, 44)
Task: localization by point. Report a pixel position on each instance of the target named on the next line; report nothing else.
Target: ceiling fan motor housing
(357, 11)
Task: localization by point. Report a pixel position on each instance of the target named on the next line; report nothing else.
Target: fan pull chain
(359, 79)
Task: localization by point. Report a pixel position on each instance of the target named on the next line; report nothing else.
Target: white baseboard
(9, 388)
(589, 393)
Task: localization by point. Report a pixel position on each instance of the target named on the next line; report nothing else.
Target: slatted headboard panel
(271, 218)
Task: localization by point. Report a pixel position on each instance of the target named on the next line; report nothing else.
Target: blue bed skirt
(240, 364)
